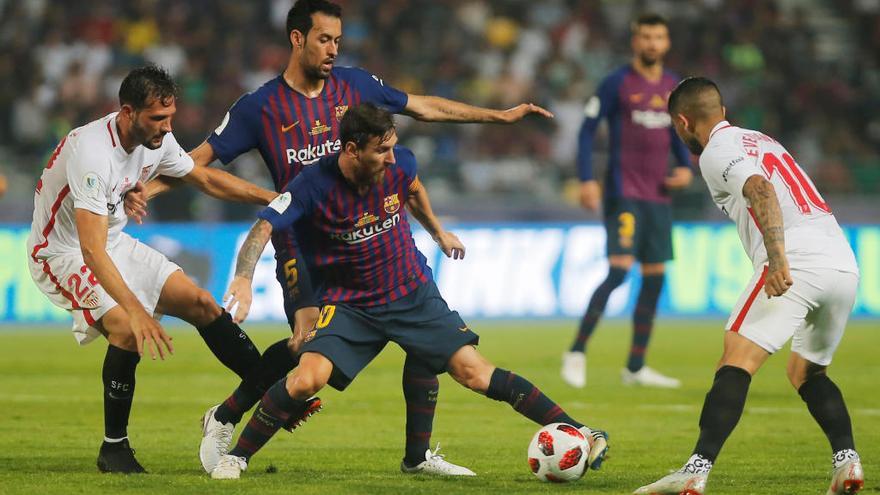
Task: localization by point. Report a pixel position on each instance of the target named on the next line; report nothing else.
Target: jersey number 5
(802, 191)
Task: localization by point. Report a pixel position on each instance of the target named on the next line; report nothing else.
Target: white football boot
(648, 377)
(847, 477)
(598, 442)
(574, 369)
(677, 483)
(435, 463)
(229, 467)
(689, 480)
(216, 438)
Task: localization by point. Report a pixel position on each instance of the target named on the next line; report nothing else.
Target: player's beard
(143, 136)
(650, 60)
(694, 145)
(314, 72)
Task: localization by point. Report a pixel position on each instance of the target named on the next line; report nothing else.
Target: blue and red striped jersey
(361, 247)
(291, 130)
(641, 135)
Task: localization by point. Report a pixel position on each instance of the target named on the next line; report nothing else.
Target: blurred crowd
(805, 71)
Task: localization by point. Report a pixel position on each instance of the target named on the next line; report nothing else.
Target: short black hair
(299, 16)
(364, 122)
(143, 84)
(689, 97)
(649, 19)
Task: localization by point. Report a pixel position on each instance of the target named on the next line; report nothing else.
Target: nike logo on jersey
(286, 128)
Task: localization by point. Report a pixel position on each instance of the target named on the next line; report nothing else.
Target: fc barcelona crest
(340, 111)
(392, 204)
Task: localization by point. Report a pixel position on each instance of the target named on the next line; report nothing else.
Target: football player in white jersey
(112, 284)
(804, 266)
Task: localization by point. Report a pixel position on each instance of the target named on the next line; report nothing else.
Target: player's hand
(150, 334)
(681, 177)
(450, 245)
(517, 113)
(241, 295)
(2, 185)
(135, 202)
(778, 279)
(590, 195)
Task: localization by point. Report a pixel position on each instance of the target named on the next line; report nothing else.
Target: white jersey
(813, 239)
(90, 170)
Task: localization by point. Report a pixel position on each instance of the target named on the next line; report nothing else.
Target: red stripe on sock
(551, 415)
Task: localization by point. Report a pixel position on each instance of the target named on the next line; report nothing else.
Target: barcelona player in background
(636, 207)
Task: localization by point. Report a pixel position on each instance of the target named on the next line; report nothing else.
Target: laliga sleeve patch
(222, 125)
(280, 203)
(592, 108)
(92, 185)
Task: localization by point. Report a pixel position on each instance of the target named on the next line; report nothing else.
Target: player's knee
(310, 377)
(472, 373)
(207, 306)
(800, 372)
(123, 340)
(305, 384)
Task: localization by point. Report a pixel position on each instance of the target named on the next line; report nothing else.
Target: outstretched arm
(420, 206)
(765, 205)
(438, 109)
(223, 185)
(240, 292)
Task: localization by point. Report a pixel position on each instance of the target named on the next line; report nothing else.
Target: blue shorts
(420, 323)
(293, 275)
(639, 228)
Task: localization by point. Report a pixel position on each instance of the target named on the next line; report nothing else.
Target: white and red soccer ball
(558, 453)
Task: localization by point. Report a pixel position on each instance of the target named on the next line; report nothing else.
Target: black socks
(118, 377)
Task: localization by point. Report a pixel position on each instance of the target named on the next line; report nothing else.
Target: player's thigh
(621, 227)
(347, 337)
(654, 232)
(181, 297)
(422, 324)
(767, 322)
(144, 270)
(833, 294)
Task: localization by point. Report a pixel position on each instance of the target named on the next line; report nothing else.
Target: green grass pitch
(51, 423)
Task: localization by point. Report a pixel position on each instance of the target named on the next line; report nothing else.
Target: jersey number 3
(802, 191)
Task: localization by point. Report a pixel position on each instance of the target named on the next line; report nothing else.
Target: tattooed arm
(240, 292)
(437, 109)
(762, 197)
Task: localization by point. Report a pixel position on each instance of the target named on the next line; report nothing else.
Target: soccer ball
(558, 453)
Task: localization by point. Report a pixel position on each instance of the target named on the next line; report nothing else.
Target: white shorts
(813, 313)
(69, 284)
